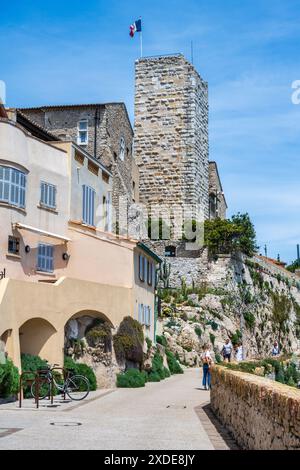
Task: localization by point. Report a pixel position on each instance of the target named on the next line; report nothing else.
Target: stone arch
(75, 327)
(5, 343)
(38, 337)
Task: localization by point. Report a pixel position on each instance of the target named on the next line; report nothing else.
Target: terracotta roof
(273, 261)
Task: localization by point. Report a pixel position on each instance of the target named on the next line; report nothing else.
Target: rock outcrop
(246, 299)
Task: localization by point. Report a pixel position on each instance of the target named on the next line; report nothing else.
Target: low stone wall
(261, 414)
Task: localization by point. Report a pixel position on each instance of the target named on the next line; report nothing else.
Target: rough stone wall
(218, 208)
(112, 124)
(261, 414)
(171, 132)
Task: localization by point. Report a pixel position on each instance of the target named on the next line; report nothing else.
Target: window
(170, 251)
(141, 313)
(149, 273)
(88, 205)
(122, 148)
(144, 314)
(147, 315)
(45, 258)
(13, 245)
(48, 195)
(82, 136)
(12, 186)
(141, 268)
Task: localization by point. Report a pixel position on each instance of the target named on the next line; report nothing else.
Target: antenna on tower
(192, 52)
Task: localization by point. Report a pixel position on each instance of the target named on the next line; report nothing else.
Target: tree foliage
(292, 267)
(230, 235)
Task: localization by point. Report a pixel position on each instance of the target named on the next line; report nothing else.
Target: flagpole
(141, 43)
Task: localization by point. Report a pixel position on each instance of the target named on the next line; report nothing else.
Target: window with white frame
(45, 260)
(48, 195)
(141, 313)
(141, 268)
(147, 315)
(144, 314)
(83, 135)
(122, 148)
(149, 273)
(88, 205)
(12, 186)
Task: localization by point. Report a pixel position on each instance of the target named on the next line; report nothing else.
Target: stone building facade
(103, 130)
(217, 201)
(171, 149)
(171, 132)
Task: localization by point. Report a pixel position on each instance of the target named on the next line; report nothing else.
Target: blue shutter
(45, 258)
(88, 213)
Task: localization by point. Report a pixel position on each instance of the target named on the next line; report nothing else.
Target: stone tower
(171, 132)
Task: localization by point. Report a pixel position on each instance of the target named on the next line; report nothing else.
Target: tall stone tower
(171, 132)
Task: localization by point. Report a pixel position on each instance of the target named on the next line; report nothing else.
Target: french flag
(136, 27)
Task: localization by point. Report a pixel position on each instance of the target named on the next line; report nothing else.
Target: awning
(18, 225)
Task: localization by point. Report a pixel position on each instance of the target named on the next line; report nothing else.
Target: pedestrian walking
(227, 350)
(207, 364)
(239, 352)
(275, 349)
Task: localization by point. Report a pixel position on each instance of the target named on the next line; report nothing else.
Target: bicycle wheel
(77, 387)
(44, 390)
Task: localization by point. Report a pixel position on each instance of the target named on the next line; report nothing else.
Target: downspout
(96, 119)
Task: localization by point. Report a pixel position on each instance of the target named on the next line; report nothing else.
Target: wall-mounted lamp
(65, 256)
(27, 249)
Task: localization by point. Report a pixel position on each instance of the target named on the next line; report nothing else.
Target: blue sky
(56, 52)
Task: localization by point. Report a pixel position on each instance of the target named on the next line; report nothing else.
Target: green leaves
(229, 236)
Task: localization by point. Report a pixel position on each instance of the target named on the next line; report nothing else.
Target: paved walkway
(165, 415)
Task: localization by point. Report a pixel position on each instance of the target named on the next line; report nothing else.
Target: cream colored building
(58, 259)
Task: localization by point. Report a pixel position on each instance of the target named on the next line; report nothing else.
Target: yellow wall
(21, 301)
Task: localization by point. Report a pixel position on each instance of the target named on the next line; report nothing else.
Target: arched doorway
(5, 345)
(38, 338)
(78, 325)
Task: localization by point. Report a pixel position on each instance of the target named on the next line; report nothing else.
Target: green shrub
(158, 365)
(236, 337)
(173, 364)
(154, 377)
(129, 341)
(167, 372)
(99, 333)
(162, 340)
(249, 319)
(218, 358)
(198, 331)
(9, 379)
(31, 363)
(132, 378)
(212, 338)
(81, 369)
(149, 343)
(213, 325)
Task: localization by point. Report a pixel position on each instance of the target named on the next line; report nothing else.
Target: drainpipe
(96, 120)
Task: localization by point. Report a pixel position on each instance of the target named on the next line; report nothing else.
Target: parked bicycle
(76, 386)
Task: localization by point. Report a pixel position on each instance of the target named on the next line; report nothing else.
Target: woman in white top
(239, 352)
(207, 363)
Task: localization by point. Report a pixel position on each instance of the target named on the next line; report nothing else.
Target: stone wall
(171, 132)
(217, 201)
(112, 124)
(261, 414)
